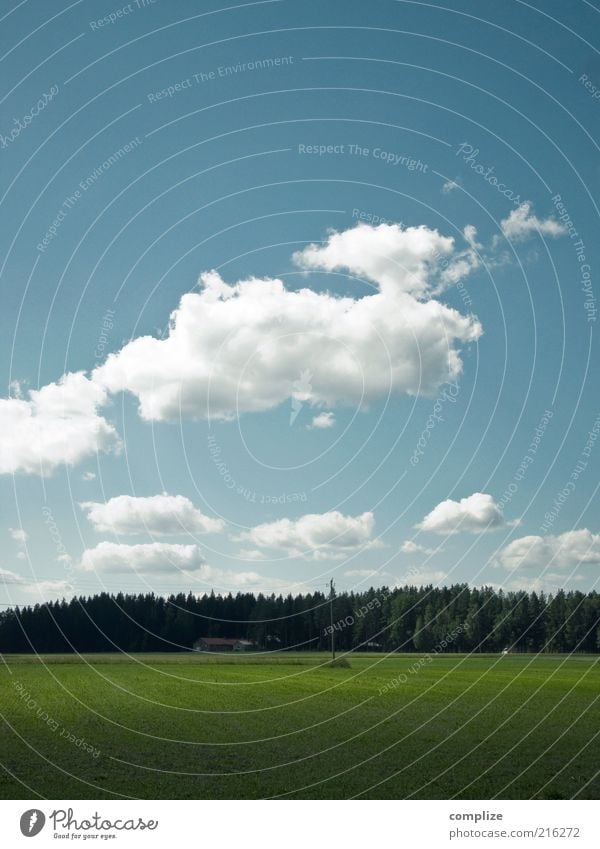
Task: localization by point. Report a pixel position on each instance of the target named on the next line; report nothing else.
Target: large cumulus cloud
(241, 347)
(565, 551)
(59, 423)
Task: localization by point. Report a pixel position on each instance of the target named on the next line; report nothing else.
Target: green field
(189, 726)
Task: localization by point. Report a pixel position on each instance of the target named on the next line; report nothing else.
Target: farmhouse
(222, 644)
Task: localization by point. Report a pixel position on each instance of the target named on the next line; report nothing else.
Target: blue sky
(415, 397)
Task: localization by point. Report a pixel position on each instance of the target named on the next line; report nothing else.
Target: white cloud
(44, 587)
(242, 347)
(223, 580)
(549, 583)
(145, 558)
(15, 389)
(422, 578)
(396, 259)
(59, 423)
(8, 577)
(417, 261)
(565, 551)
(463, 263)
(475, 514)
(250, 554)
(65, 559)
(51, 588)
(522, 222)
(155, 514)
(19, 535)
(364, 573)
(410, 547)
(449, 186)
(88, 476)
(322, 421)
(324, 536)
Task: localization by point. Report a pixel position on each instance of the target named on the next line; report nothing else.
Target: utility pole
(331, 598)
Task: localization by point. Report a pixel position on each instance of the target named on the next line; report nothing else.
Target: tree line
(458, 618)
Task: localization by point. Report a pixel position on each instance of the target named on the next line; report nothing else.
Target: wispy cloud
(522, 222)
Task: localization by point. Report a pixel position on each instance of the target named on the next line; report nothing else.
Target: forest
(458, 618)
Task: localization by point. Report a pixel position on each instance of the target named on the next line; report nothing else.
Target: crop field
(194, 726)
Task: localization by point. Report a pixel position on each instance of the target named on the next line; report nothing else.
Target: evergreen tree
(458, 618)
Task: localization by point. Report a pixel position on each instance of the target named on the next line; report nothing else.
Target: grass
(191, 726)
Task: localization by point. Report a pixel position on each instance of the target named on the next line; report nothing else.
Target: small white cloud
(422, 578)
(250, 554)
(475, 514)
(19, 535)
(223, 580)
(146, 558)
(45, 588)
(470, 237)
(410, 547)
(322, 536)
(49, 589)
(365, 573)
(8, 577)
(450, 186)
(566, 551)
(59, 423)
(322, 421)
(156, 514)
(545, 584)
(521, 223)
(15, 389)
(88, 476)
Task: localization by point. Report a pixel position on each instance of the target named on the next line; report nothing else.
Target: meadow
(188, 726)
